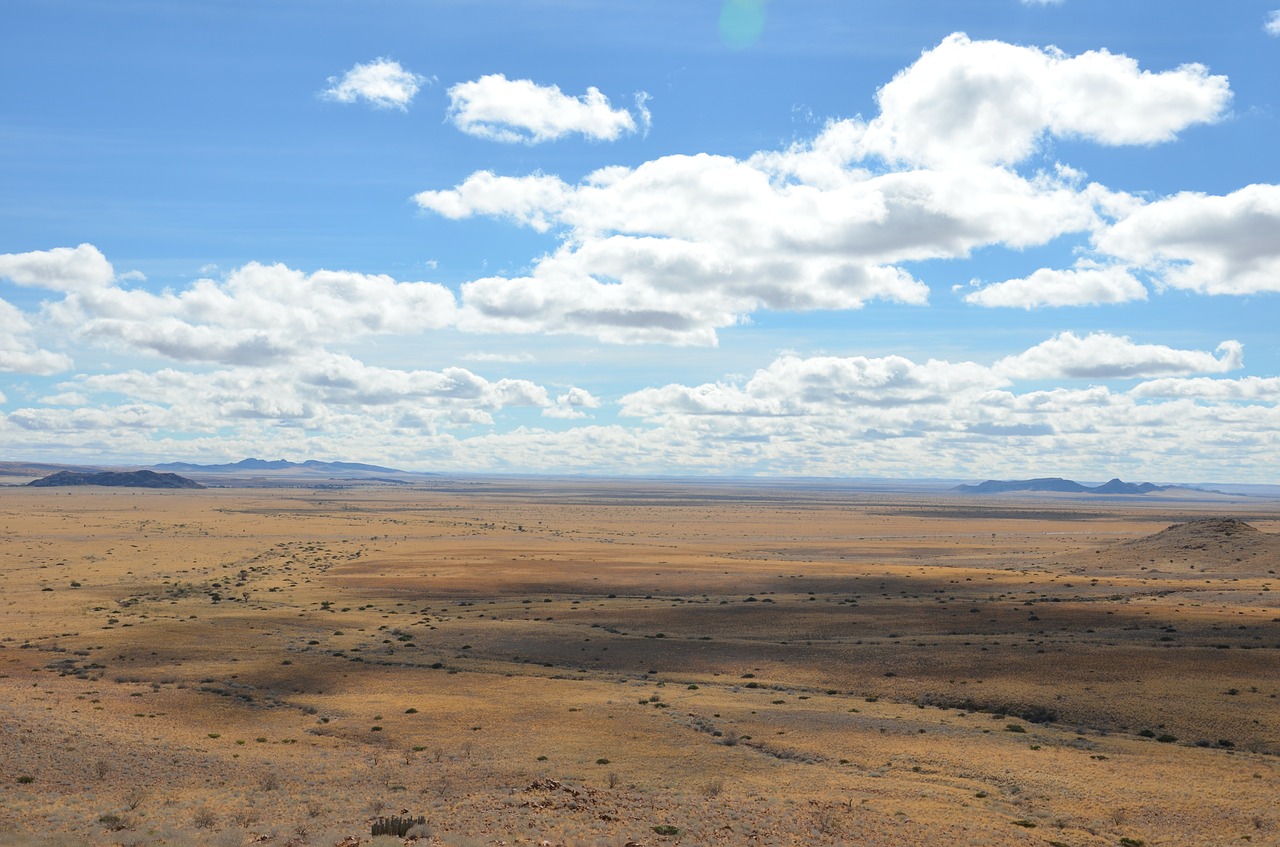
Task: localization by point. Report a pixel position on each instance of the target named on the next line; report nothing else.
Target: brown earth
(577, 663)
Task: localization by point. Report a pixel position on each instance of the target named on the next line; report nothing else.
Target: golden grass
(579, 663)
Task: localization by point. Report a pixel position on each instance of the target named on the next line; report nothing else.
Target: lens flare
(741, 22)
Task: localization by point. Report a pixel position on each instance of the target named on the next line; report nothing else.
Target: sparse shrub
(134, 798)
(613, 779)
(205, 819)
(1025, 823)
(1147, 733)
(602, 761)
(244, 818)
(1014, 727)
(666, 829)
(1126, 841)
(26, 780)
(1166, 738)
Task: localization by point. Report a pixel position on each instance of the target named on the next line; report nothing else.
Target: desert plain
(594, 662)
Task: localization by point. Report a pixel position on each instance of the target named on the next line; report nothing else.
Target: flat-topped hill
(116, 479)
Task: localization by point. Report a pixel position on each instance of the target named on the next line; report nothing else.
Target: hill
(117, 479)
(1113, 486)
(1218, 546)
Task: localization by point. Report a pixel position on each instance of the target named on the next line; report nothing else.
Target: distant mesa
(116, 479)
(1114, 486)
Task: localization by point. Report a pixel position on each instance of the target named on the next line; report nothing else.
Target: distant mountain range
(116, 479)
(1114, 486)
(275, 465)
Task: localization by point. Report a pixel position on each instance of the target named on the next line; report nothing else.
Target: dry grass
(770, 665)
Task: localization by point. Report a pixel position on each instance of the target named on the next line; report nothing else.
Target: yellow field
(579, 663)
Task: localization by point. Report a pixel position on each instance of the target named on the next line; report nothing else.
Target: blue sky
(912, 239)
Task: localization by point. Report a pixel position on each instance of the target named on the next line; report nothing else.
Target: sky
(959, 239)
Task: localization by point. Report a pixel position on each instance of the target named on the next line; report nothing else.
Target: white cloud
(1272, 24)
(533, 201)
(382, 83)
(327, 390)
(1248, 388)
(570, 405)
(256, 315)
(1100, 355)
(1041, 2)
(1211, 244)
(520, 110)
(988, 101)
(60, 269)
(1085, 285)
(18, 353)
(824, 385)
(677, 248)
(680, 246)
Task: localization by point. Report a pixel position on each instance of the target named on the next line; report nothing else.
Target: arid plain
(579, 662)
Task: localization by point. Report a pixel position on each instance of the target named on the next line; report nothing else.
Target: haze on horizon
(992, 239)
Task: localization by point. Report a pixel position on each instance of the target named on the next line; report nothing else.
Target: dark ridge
(118, 479)
(1114, 486)
(995, 486)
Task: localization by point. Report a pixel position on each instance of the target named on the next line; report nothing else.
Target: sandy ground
(590, 663)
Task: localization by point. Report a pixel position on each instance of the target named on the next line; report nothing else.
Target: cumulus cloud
(824, 385)
(677, 248)
(1084, 285)
(1272, 24)
(1248, 388)
(326, 390)
(257, 314)
(571, 404)
(681, 246)
(18, 353)
(60, 269)
(382, 83)
(1100, 355)
(1206, 243)
(520, 110)
(988, 101)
